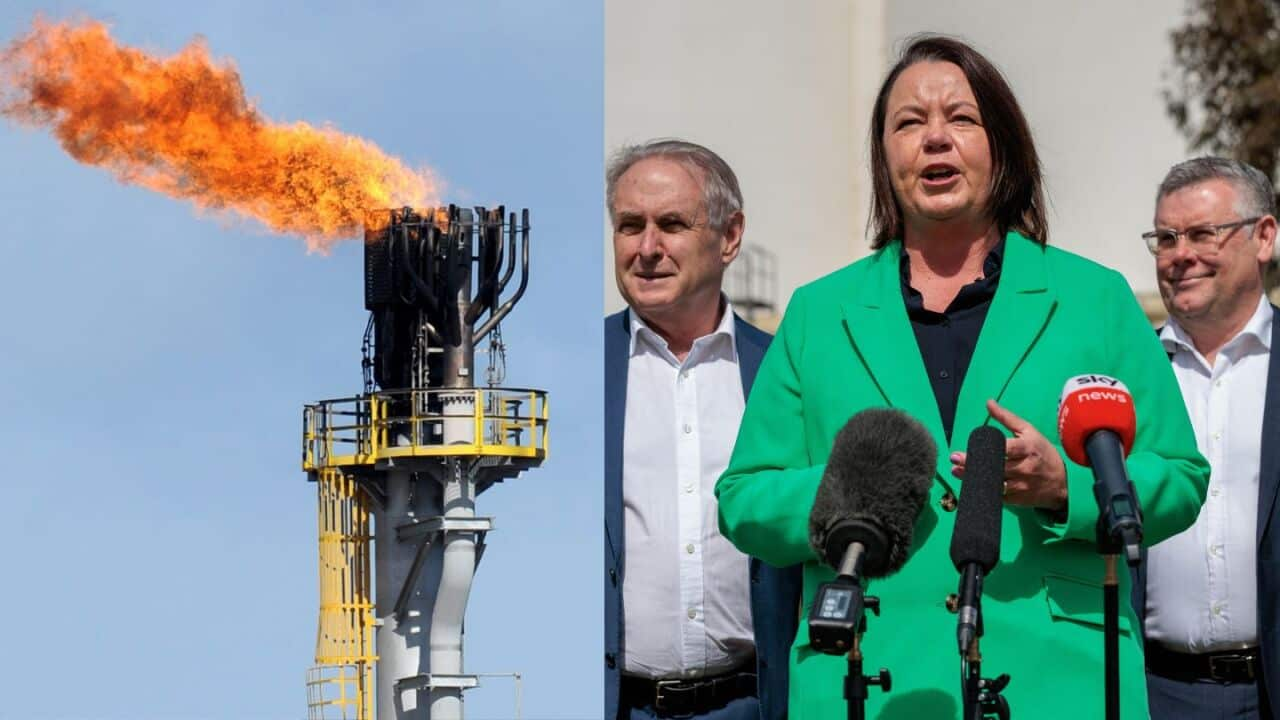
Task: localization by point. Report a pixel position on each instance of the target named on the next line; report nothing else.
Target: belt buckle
(659, 697)
(1226, 662)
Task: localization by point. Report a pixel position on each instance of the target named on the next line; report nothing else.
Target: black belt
(1227, 666)
(683, 698)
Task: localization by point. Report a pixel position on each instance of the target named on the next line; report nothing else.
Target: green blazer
(846, 344)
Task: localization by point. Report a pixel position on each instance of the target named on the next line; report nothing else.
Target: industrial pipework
(412, 453)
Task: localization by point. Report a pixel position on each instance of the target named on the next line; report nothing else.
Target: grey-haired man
(1211, 610)
(693, 628)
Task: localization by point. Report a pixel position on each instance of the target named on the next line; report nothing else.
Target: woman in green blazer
(958, 197)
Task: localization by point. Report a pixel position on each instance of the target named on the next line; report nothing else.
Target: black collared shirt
(947, 339)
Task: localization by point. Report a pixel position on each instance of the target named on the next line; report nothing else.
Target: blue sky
(159, 534)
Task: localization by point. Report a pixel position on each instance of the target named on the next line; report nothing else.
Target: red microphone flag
(1090, 403)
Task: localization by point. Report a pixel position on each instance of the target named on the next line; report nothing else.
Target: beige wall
(770, 86)
(783, 90)
(1088, 76)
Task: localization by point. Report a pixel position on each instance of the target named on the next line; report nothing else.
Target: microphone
(975, 541)
(1097, 423)
(875, 485)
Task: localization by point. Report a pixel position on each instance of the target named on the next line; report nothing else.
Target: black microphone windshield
(876, 481)
(976, 538)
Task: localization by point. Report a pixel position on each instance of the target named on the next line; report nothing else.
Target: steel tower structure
(399, 467)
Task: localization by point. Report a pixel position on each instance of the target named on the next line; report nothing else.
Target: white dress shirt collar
(646, 339)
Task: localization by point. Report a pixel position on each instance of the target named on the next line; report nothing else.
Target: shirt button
(1216, 550)
(1215, 492)
(944, 374)
(693, 613)
(687, 428)
(684, 374)
(689, 548)
(1217, 609)
(688, 487)
(1217, 383)
(1217, 436)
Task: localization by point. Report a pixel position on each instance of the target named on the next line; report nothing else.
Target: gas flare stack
(412, 453)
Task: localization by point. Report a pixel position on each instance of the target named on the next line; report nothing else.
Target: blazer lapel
(617, 338)
(1269, 468)
(1019, 312)
(877, 323)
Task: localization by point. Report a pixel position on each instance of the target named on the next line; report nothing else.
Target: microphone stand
(836, 624)
(1109, 548)
(982, 698)
(855, 683)
(1119, 530)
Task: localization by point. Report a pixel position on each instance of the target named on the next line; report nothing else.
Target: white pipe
(399, 641)
(457, 572)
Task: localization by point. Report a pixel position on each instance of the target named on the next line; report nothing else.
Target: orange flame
(182, 126)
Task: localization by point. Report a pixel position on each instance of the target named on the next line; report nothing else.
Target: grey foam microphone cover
(881, 466)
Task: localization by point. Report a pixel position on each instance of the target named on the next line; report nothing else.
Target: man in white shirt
(1211, 609)
(691, 622)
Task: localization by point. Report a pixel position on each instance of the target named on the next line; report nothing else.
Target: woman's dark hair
(1017, 195)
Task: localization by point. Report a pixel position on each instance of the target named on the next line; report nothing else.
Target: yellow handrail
(365, 438)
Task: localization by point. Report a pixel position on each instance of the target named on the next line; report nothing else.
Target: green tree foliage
(1225, 90)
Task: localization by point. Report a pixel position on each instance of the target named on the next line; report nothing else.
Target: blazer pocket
(1080, 601)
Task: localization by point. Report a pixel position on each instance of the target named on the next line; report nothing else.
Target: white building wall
(1088, 75)
(783, 90)
(767, 85)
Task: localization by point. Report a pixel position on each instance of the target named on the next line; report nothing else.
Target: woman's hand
(1034, 473)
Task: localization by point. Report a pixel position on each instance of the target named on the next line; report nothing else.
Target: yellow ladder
(340, 687)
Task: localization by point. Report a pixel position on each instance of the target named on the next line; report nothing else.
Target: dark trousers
(1206, 700)
(747, 708)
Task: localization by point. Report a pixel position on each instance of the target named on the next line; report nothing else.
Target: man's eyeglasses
(1204, 240)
